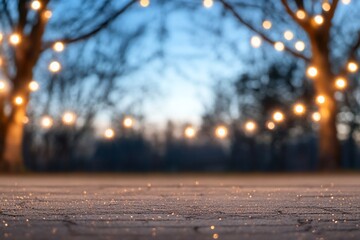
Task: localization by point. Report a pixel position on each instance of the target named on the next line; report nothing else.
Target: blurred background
(182, 85)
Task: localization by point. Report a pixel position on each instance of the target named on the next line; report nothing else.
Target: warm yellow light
(279, 46)
(221, 132)
(346, 2)
(47, 14)
(312, 71)
(3, 86)
(109, 133)
(189, 132)
(25, 120)
(18, 100)
(35, 5)
(1, 37)
(318, 19)
(46, 122)
(1, 61)
(250, 126)
(208, 3)
(267, 24)
(59, 47)
(320, 99)
(352, 66)
(340, 83)
(144, 3)
(15, 39)
(299, 109)
(316, 116)
(255, 41)
(54, 66)
(68, 118)
(270, 125)
(33, 86)
(288, 35)
(278, 116)
(326, 6)
(128, 122)
(301, 14)
(300, 46)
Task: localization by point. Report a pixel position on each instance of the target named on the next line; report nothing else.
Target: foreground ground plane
(111, 206)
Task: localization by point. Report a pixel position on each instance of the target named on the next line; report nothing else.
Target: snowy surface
(180, 207)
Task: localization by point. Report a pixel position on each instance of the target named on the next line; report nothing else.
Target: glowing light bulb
(326, 6)
(221, 132)
(352, 67)
(109, 133)
(279, 46)
(312, 71)
(346, 2)
(319, 20)
(144, 3)
(299, 109)
(25, 120)
(301, 14)
(189, 132)
(288, 35)
(15, 39)
(1, 37)
(250, 126)
(59, 47)
(128, 122)
(33, 86)
(68, 118)
(255, 41)
(35, 5)
(47, 14)
(54, 66)
(278, 116)
(316, 116)
(46, 122)
(18, 100)
(300, 46)
(267, 24)
(208, 3)
(340, 83)
(270, 125)
(3, 86)
(320, 99)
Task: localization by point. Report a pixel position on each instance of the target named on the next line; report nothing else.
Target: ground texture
(180, 207)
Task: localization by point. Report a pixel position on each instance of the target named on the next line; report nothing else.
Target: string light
(58, 46)
(319, 20)
(346, 2)
(3, 86)
(299, 109)
(46, 122)
(18, 100)
(15, 39)
(320, 99)
(33, 86)
(54, 66)
(279, 46)
(189, 132)
(312, 71)
(288, 35)
(47, 14)
(144, 3)
(109, 133)
(326, 6)
(68, 118)
(208, 3)
(255, 41)
(270, 125)
(221, 132)
(128, 122)
(35, 5)
(278, 116)
(352, 66)
(1, 37)
(340, 83)
(301, 14)
(250, 126)
(300, 46)
(316, 116)
(267, 24)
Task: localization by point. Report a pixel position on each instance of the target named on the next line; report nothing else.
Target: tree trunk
(12, 156)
